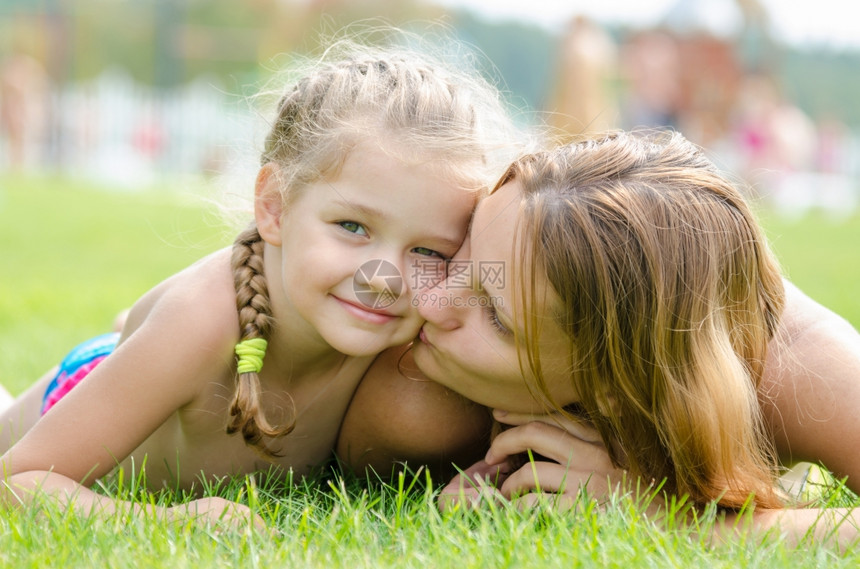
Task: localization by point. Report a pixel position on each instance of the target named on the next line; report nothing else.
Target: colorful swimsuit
(75, 367)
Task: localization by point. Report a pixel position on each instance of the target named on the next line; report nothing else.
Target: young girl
(369, 177)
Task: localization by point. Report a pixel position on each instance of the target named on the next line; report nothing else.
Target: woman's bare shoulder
(811, 387)
(805, 318)
(397, 415)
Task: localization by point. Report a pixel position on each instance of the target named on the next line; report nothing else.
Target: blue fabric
(93, 349)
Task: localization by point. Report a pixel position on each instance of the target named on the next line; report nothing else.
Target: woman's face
(467, 343)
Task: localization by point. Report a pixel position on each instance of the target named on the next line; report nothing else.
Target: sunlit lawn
(73, 256)
(821, 256)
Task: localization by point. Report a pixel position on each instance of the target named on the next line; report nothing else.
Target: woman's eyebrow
(455, 245)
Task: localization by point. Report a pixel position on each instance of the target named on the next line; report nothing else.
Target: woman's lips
(422, 335)
(366, 313)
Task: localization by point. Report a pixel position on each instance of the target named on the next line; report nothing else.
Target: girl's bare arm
(159, 368)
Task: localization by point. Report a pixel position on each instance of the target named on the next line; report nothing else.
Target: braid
(255, 321)
(356, 94)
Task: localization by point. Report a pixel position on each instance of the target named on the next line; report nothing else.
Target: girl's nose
(378, 282)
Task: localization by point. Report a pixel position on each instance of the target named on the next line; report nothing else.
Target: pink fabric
(66, 382)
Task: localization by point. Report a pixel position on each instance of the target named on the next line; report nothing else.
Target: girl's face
(350, 248)
(467, 343)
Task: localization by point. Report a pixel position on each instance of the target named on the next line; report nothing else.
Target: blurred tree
(171, 42)
(524, 55)
(823, 82)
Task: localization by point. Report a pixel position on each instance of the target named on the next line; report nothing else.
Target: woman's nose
(444, 304)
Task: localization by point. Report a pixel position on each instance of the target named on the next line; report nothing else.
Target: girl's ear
(269, 204)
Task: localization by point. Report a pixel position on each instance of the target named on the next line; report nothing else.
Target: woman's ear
(269, 203)
(609, 406)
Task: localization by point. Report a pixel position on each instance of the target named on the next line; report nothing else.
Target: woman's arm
(834, 527)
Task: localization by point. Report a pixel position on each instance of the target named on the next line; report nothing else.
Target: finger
(548, 477)
(474, 479)
(483, 471)
(561, 502)
(551, 442)
(539, 477)
(469, 496)
(259, 524)
(577, 428)
(460, 484)
(453, 496)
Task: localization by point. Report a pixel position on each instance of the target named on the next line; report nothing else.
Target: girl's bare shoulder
(185, 328)
(200, 299)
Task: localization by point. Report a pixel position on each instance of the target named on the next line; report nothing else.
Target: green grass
(820, 256)
(71, 257)
(330, 523)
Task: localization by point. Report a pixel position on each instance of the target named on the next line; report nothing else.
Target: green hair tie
(250, 354)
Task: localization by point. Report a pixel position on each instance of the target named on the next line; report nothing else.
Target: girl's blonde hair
(417, 108)
(669, 296)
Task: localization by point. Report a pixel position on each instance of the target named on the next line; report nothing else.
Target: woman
(640, 299)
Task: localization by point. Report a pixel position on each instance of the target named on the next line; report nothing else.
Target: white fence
(115, 130)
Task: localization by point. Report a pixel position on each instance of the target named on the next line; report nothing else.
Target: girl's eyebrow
(362, 209)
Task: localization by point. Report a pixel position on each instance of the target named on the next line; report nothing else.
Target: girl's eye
(353, 227)
(426, 252)
(493, 317)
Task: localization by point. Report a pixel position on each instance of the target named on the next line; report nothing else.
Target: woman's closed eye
(353, 227)
(427, 252)
(493, 318)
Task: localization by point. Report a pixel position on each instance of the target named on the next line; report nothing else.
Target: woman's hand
(477, 483)
(571, 457)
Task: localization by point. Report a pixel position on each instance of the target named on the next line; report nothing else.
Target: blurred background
(118, 117)
(133, 92)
